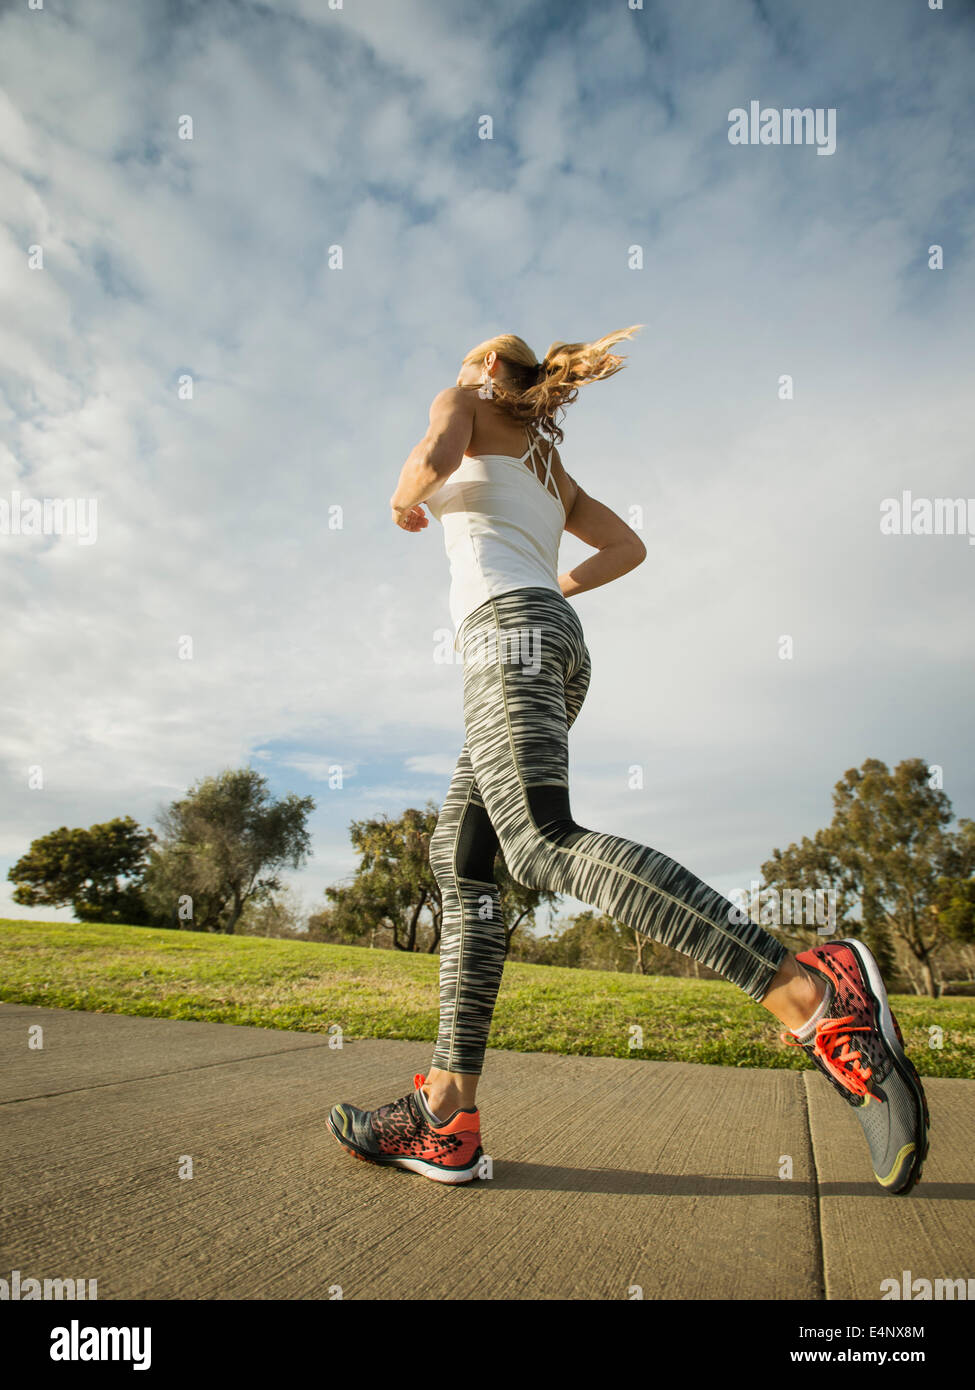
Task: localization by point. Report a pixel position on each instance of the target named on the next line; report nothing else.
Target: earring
(486, 388)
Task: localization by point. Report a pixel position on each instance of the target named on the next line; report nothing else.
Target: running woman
(490, 471)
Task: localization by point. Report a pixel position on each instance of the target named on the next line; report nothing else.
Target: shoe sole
(452, 1176)
(903, 1064)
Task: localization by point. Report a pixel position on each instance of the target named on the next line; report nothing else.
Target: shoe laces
(832, 1044)
(406, 1105)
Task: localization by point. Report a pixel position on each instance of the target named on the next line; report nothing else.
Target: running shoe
(406, 1134)
(860, 1049)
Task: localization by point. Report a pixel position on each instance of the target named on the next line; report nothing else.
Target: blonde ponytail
(538, 390)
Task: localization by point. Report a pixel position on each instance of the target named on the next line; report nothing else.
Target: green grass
(306, 987)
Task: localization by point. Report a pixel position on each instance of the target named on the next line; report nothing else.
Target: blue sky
(314, 645)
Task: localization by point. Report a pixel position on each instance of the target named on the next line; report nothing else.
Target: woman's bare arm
(619, 547)
(439, 453)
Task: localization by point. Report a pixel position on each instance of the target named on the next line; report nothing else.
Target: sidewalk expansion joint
(820, 1248)
(156, 1075)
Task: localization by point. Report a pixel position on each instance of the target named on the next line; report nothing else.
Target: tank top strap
(532, 453)
(548, 465)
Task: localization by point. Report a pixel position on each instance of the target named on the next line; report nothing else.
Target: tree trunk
(927, 975)
(238, 908)
(411, 934)
(913, 979)
(437, 930)
(510, 931)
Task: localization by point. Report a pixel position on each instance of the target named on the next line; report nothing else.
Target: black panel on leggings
(477, 845)
(550, 812)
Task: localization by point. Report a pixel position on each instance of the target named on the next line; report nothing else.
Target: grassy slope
(307, 987)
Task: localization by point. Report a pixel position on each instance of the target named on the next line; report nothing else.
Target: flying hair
(539, 389)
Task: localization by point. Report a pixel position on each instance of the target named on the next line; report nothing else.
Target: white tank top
(502, 526)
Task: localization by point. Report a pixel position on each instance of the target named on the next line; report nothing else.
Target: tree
(281, 914)
(645, 951)
(795, 874)
(590, 941)
(220, 849)
(97, 872)
(391, 888)
(393, 896)
(954, 909)
(887, 850)
(518, 903)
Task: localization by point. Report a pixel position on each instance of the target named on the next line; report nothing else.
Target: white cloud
(318, 769)
(440, 764)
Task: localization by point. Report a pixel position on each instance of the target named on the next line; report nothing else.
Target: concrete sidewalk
(607, 1174)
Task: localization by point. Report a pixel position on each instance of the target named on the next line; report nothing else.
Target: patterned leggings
(526, 673)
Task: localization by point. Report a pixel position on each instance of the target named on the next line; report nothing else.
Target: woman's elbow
(629, 554)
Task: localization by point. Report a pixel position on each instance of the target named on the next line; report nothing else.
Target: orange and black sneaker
(407, 1134)
(859, 1047)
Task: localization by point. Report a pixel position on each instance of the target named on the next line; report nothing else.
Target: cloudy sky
(132, 260)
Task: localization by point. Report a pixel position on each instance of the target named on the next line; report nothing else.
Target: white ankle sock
(807, 1032)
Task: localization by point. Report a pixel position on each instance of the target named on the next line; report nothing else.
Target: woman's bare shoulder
(452, 399)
